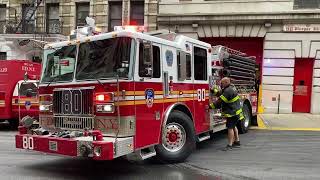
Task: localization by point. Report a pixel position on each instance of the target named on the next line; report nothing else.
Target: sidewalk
(294, 121)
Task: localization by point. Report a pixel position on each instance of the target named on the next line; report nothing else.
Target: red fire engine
(18, 98)
(133, 94)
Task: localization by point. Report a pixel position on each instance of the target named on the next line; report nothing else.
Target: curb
(262, 125)
(261, 122)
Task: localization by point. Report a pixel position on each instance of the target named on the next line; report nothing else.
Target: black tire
(180, 119)
(244, 125)
(14, 123)
(254, 121)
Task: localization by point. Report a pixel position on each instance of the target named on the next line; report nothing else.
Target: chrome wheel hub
(173, 137)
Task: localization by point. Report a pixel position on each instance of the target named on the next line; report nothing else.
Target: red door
(302, 85)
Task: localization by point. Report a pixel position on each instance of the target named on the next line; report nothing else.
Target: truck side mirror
(29, 92)
(25, 77)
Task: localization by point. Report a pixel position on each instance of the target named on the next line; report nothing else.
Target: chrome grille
(72, 122)
(73, 102)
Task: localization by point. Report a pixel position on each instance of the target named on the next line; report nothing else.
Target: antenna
(169, 25)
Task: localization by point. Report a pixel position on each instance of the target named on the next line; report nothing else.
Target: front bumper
(107, 149)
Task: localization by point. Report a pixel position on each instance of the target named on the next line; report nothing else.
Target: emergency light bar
(104, 97)
(88, 30)
(129, 28)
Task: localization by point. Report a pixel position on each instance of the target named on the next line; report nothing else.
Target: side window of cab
(28, 89)
(149, 60)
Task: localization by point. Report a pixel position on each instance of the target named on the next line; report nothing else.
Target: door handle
(207, 108)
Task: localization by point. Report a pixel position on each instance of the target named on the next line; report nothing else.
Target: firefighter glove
(215, 90)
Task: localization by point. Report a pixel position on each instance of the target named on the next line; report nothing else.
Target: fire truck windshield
(103, 59)
(59, 64)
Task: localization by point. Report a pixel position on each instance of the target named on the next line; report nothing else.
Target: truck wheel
(243, 125)
(14, 123)
(178, 138)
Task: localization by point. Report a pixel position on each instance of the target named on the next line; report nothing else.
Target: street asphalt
(264, 154)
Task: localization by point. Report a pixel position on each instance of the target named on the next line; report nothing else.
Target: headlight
(44, 108)
(108, 108)
(45, 103)
(105, 108)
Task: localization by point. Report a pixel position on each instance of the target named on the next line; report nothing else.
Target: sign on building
(301, 28)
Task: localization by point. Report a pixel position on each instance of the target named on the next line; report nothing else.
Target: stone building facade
(284, 35)
(53, 20)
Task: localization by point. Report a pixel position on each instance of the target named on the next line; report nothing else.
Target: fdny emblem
(149, 94)
(169, 58)
(27, 104)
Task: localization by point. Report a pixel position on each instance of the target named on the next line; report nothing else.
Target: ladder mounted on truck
(238, 66)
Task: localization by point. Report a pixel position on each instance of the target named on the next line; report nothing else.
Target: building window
(137, 13)
(115, 14)
(28, 20)
(2, 18)
(306, 4)
(3, 56)
(53, 23)
(83, 10)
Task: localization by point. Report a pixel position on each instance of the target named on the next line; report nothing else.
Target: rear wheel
(243, 125)
(177, 139)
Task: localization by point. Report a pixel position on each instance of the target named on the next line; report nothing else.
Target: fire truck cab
(25, 100)
(18, 98)
(127, 93)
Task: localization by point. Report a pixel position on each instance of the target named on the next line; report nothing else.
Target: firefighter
(229, 102)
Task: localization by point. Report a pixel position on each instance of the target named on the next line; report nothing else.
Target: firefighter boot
(236, 144)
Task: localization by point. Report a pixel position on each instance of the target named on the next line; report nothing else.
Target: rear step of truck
(203, 137)
(142, 154)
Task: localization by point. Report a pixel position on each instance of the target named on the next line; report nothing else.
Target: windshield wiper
(51, 80)
(92, 76)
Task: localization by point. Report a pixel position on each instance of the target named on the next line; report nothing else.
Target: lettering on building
(301, 28)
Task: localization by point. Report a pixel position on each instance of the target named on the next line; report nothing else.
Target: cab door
(25, 100)
(185, 80)
(148, 94)
(200, 61)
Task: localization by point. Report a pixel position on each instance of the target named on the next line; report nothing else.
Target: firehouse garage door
(253, 46)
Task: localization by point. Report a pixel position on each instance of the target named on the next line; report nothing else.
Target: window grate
(306, 4)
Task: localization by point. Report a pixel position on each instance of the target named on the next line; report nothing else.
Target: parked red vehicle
(18, 98)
